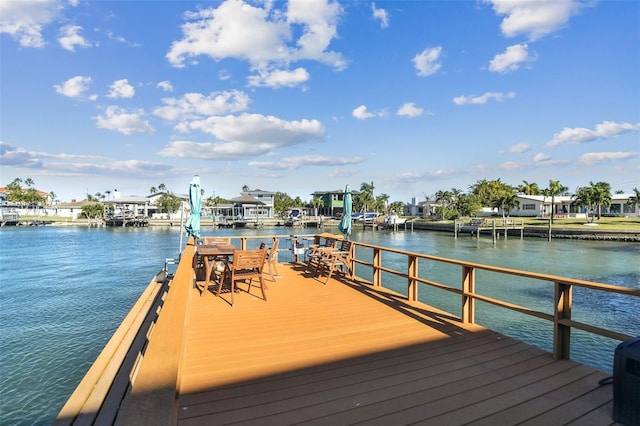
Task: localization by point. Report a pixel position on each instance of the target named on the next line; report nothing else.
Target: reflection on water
(64, 291)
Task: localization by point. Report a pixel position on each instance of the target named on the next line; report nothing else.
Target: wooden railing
(563, 288)
(120, 389)
(98, 396)
(562, 303)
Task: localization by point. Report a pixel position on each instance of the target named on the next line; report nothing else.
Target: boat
(368, 217)
(393, 220)
(9, 216)
(304, 356)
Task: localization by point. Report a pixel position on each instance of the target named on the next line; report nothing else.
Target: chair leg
(262, 287)
(330, 272)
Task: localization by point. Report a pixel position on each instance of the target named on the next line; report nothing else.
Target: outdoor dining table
(210, 253)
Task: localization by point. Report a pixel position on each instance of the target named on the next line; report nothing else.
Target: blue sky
(311, 95)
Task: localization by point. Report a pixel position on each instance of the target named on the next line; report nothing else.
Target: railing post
(562, 311)
(468, 291)
(412, 283)
(377, 263)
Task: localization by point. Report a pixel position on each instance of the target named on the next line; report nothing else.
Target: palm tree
(381, 202)
(529, 188)
(555, 188)
(317, 202)
(153, 190)
(483, 189)
(585, 198)
(635, 198)
(365, 198)
(505, 202)
(602, 196)
(444, 198)
(108, 192)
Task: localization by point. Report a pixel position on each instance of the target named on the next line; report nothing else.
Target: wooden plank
(346, 353)
(294, 361)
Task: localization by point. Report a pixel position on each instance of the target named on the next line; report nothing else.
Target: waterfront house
(70, 210)
(564, 206)
(332, 201)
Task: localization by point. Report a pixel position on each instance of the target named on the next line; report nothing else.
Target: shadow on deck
(349, 353)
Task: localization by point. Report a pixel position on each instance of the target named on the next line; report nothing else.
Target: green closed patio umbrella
(195, 203)
(345, 222)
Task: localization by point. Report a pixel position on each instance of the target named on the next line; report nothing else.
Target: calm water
(64, 291)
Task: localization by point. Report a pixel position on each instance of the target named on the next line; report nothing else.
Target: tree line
(499, 195)
(451, 204)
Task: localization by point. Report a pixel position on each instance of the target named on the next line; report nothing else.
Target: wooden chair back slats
(340, 259)
(216, 240)
(247, 265)
(272, 259)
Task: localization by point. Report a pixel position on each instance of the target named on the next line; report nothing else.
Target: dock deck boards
(347, 353)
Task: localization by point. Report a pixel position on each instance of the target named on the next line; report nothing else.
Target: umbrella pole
(181, 227)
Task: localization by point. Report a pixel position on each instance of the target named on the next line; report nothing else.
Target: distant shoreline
(589, 233)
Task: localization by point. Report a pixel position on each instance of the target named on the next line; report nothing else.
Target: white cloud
(535, 19)
(121, 89)
(511, 60)
(591, 158)
(410, 109)
(541, 156)
(246, 135)
(260, 129)
(604, 130)
(123, 121)
(70, 38)
(213, 151)
(24, 20)
(165, 85)
(75, 87)
(261, 36)
(293, 163)
(279, 78)
(18, 157)
(381, 15)
(73, 164)
(319, 21)
(483, 99)
(197, 105)
(361, 113)
(428, 62)
(519, 148)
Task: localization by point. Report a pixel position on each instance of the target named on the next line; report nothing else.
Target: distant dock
(124, 222)
(494, 226)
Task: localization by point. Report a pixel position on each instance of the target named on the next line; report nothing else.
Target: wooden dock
(490, 226)
(124, 222)
(342, 353)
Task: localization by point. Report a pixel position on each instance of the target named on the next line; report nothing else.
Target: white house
(541, 206)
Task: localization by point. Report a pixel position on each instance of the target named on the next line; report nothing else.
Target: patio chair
(319, 251)
(272, 259)
(247, 265)
(219, 266)
(216, 240)
(338, 260)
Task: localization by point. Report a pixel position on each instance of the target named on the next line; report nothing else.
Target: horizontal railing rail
(97, 397)
(563, 287)
(562, 303)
